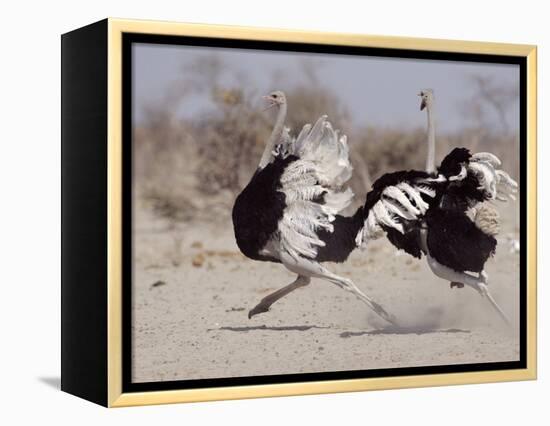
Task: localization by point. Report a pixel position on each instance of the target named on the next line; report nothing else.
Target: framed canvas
(255, 212)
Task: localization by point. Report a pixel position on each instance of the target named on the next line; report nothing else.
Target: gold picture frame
(115, 396)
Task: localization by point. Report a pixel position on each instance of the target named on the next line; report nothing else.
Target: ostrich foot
(484, 292)
(382, 313)
(260, 308)
(270, 299)
(477, 283)
(484, 277)
(456, 284)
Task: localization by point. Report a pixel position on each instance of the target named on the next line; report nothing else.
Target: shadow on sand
(386, 330)
(402, 330)
(271, 328)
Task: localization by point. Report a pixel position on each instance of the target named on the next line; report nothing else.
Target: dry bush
(163, 176)
(307, 103)
(229, 143)
(386, 150)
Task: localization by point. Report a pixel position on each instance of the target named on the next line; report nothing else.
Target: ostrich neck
(275, 136)
(430, 160)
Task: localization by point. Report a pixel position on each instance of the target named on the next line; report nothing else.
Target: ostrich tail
(486, 218)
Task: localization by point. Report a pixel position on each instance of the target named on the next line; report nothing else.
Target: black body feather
(258, 209)
(408, 242)
(451, 164)
(462, 194)
(455, 241)
(341, 242)
(453, 238)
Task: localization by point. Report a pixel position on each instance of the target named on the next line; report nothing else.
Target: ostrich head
(427, 98)
(276, 98)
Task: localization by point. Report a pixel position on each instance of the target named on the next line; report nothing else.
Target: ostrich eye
(275, 96)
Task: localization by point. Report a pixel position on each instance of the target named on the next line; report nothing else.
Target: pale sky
(376, 91)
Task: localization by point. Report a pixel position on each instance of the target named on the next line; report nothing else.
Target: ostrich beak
(272, 103)
(422, 104)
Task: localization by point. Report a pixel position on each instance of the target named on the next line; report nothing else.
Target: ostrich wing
(396, 207)
(312, 185)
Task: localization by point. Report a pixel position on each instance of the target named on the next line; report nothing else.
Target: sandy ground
(193, 290)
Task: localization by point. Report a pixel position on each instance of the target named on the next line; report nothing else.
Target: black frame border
(130, 38)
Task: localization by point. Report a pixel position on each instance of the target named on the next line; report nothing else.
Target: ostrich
(444, 217)
(289, 211)
(485, 217)
(427, 103)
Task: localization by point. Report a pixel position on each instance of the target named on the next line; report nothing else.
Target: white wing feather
(495, 182)
(492, 159)
(397, 204)
(322, 169)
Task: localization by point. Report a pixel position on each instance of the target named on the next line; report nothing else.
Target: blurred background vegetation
(186, 168)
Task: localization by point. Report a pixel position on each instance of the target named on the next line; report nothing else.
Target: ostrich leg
(477, 283)
(271, 298)
(313, 269)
